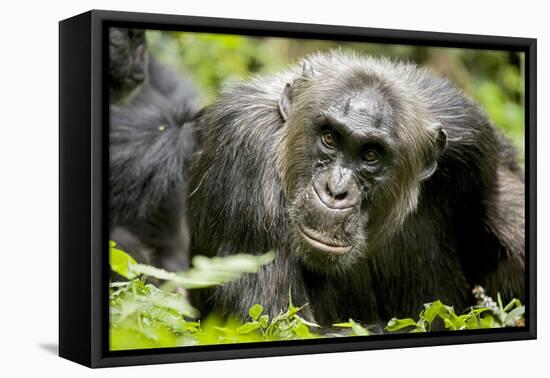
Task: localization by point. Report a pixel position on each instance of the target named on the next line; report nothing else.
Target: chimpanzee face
(350, 169)
(127, 60)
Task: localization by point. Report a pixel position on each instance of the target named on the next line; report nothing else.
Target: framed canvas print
(234, 188)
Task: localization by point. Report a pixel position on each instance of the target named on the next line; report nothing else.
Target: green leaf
(226, 330)
(302, 331)
(255, 311)
(513, 303)
(264, 321)
(208, 272)
(342, 325)
(489, 321)
(396, 324)
(121, 262)
(115, 285)
(248, 327)
(432, 310)
(176, 302)
(449, 324)
(307, 323)
(233, 263)
(479, 310)
(358, 329)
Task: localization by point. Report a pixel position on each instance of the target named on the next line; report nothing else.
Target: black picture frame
(83, 196)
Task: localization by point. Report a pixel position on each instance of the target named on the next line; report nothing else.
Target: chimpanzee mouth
(320, 244)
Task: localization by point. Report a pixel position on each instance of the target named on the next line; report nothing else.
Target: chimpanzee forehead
(362, 110)
(368, 101)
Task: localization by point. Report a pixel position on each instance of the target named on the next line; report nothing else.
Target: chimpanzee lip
(321, 245)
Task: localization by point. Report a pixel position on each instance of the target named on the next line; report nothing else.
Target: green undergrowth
(143, 315)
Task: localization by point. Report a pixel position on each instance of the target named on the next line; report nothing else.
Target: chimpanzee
(151, 143)
(379, 186)
(127, 62)
(136, 76)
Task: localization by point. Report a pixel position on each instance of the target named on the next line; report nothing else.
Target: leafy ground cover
(143, 315)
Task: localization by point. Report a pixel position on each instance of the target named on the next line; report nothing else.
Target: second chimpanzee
(151, 141)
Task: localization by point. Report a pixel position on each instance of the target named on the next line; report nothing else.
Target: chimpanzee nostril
(327, 190)
(338, 196)
(341, 196)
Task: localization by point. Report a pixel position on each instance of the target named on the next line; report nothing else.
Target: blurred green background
(494, 78)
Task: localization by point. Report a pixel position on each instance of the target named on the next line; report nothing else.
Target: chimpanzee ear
(285, 102)
(307, 69)
(438, 148)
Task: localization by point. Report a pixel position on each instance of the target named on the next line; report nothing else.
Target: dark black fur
(131, 67)
(127, 62)
(149, 159)
(441, 211)
(151, 144)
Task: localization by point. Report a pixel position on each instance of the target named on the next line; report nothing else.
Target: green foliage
(214, 58)
(355, 329)
(286, 325)
(120, 261)
(145, 316)
(206, 272)
(476, 318)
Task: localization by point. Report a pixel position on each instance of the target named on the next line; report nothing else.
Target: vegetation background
(495, 79)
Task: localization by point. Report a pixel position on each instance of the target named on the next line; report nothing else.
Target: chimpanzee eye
(371, 156)
(328, 139)
(373, 152)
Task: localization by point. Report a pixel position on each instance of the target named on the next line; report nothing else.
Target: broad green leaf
(472, 323)
(255, 311)
(233, 263)
(488, 321)
(454, 322)
(121, 262)
(302, 331)
(396, 324)
(432, 310)
(358, 329)
(226, 330)
(130, 336)
(208, 272)
(248, 327)
(176, 302)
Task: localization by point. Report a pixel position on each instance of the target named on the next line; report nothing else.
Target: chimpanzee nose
(337, 188)
(338, 192)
